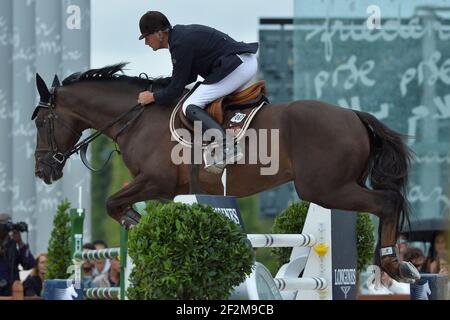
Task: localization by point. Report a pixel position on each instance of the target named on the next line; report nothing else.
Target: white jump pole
(294, 284)
(281, 240)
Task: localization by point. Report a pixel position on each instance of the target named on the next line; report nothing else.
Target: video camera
(10, 226)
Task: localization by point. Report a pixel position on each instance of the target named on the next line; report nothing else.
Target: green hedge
(293, 218)
(59, 260)
(186, 252)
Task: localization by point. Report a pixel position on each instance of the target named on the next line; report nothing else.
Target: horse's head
(57, 132)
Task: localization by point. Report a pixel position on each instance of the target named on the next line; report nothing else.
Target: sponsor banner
(344, 261)
(227, 206)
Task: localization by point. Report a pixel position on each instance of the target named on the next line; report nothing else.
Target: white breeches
(236, 81)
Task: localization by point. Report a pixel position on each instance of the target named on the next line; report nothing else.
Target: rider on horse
(225, 64)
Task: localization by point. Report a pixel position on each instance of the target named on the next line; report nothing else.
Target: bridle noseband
(55, 157)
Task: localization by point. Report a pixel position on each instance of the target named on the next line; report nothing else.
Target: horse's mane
(109, 73)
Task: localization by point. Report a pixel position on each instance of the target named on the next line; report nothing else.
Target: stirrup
(233, 155)
(211, 165)
(216, 166)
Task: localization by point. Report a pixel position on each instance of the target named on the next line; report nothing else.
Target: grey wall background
(399, 73)
(35, 37)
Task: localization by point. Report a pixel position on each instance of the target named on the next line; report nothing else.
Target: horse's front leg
(119, 205)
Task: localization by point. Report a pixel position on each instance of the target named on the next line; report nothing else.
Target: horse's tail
(390, 161)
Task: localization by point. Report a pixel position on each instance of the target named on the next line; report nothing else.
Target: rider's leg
(205, 94)
(235, 81)
(195, 113)
(230, 153)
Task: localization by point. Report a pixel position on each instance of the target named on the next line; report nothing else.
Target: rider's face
(153, 41)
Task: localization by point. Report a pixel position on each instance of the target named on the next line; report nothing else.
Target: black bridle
(55, 158)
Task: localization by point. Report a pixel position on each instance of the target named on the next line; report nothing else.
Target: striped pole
(103, 293)
(281, 240)
(294, 284)
(109, 253)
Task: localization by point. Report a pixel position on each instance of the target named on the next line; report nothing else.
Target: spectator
(393, 286)
(416, 257)
(110, 279)
(382, 283)
(100, 266)
(88, 268)
(99, 244)
(437, 254)
(32, 286)
(443, 264)
(13, 251)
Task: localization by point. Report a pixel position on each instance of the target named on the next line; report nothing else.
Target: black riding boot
(230, 155)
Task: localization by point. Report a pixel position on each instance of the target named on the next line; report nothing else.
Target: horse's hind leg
(353, 197)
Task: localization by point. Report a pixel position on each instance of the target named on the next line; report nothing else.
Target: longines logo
(345, 290)
(344, 277)
(230, 213)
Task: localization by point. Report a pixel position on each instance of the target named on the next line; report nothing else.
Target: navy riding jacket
(200, 50)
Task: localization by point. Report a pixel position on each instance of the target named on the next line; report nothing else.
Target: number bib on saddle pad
(234, 112)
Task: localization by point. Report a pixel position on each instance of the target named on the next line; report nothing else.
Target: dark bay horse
(329, 152)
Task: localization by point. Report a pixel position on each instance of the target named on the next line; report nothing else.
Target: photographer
(13, 251)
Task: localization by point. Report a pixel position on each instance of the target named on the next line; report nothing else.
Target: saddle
(234, 111)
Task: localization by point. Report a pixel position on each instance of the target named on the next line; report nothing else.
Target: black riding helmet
(153, 21)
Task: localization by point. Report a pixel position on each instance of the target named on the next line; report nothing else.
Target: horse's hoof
(130, 219)
(408, 272)
(403, 271)
(128, 223)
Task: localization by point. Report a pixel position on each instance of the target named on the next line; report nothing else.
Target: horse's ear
(42, 89)
(56, 82)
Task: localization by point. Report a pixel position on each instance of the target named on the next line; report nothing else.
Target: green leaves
(293, 219)
(365, 243)
(59, 258)
(290, 220)
(187, 252)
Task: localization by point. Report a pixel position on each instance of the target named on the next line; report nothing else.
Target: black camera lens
(21, 227)
(10, 226)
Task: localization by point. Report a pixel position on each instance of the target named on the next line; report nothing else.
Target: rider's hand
(146, 98)
(17, 238)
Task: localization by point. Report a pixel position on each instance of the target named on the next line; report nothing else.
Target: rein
(83, 145)
(55, 158)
